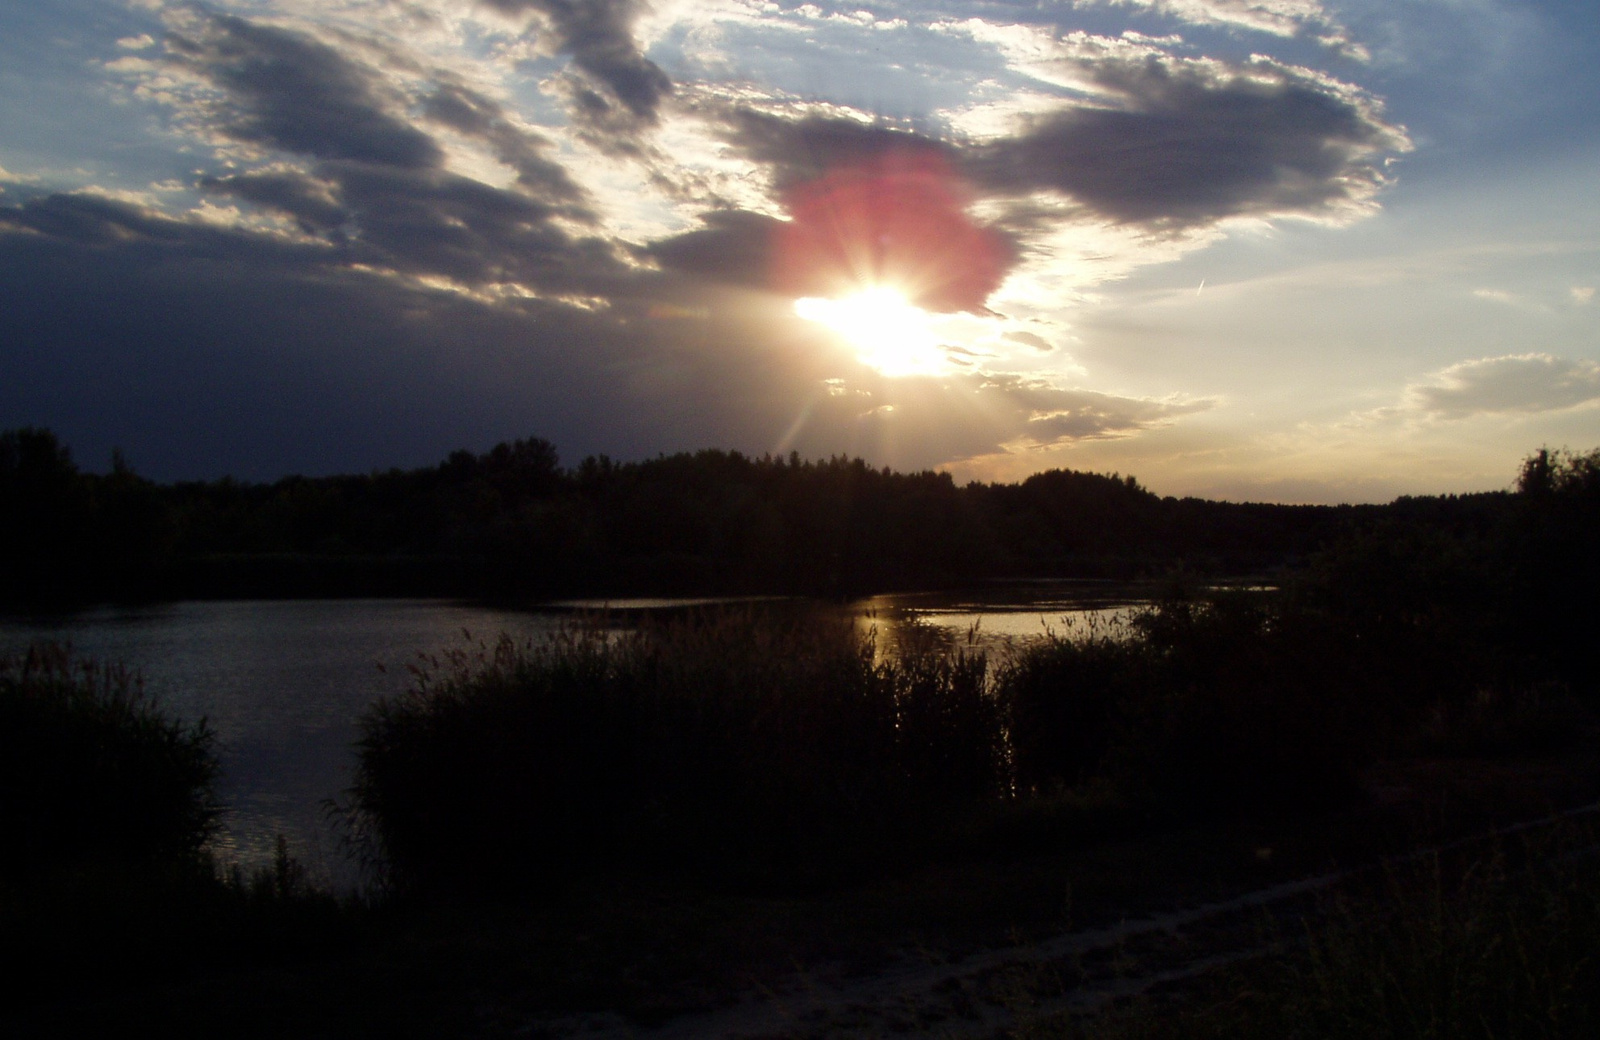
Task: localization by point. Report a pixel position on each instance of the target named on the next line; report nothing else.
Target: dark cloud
(1174, 147)
(1184, 147)
(88, 220)
(379, 189)
(432, 222)
(435, 222)
(797, 150)
(469, 112)
(599, 36)
(734, 247)
(312, 202)
(203, 350)
(1516, 383)
(290, 92)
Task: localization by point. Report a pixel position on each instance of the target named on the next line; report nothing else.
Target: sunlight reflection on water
(1008, 617)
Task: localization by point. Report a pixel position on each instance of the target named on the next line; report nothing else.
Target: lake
(282, 683)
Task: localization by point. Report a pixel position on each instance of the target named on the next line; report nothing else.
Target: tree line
(513, 524)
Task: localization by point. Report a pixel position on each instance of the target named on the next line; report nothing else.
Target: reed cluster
(92, 771)
(752, 738)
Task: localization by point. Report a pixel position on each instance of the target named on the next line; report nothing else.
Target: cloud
(734, 247)
(1030, 339)
(899, 220)
(287, 91)
(1582, 294)
(313, 203)
(1053, 415)
(867, 205)
(1495, 296)
(410, 224)
(918, 423)
(1151, 140)
(804, 146)
(203, 350)
(599, 36)
(377, 186)
(1516, 383)
(470, 113)
(1277, 17)
(1183, 145)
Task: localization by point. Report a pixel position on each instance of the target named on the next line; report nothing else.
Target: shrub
(1061, 698)
(715, 740)
(1229, 704)
(91, 771)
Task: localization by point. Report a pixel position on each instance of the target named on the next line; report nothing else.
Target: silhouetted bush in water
(91, 771)
(717, 741)
(1218, 705)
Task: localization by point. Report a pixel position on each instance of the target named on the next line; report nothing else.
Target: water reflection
(1000, 617)
(282, 683)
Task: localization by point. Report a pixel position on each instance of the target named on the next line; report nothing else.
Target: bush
(91, 771)
(1061, 698)
(713, 741)
(1227, 705)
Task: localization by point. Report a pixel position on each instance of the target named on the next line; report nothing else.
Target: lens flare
(896, 221)
(888, 332)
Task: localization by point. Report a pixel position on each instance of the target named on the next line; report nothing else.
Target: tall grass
(716, 740)
(1501, 946)
(91, 771)
(758, 739)
(1500, 951)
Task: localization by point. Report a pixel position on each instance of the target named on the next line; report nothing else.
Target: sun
(888, 332)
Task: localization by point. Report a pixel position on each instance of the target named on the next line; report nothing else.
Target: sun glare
(889, 333)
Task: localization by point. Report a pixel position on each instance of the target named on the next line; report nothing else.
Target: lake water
(283, 683)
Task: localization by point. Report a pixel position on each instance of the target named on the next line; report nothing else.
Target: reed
(92, 771)
(759, 738)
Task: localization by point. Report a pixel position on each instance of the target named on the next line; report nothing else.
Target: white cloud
(1496, 296)
(1276, 17)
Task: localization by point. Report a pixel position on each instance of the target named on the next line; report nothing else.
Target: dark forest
(514, 525)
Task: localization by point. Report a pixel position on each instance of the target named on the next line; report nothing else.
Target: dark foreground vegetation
(711, 774)
(1501, 947)
(513, 525)
(105, 808)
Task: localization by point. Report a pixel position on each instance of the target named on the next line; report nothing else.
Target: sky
(1256, 250)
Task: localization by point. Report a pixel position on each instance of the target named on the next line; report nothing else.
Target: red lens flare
(897, 221)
